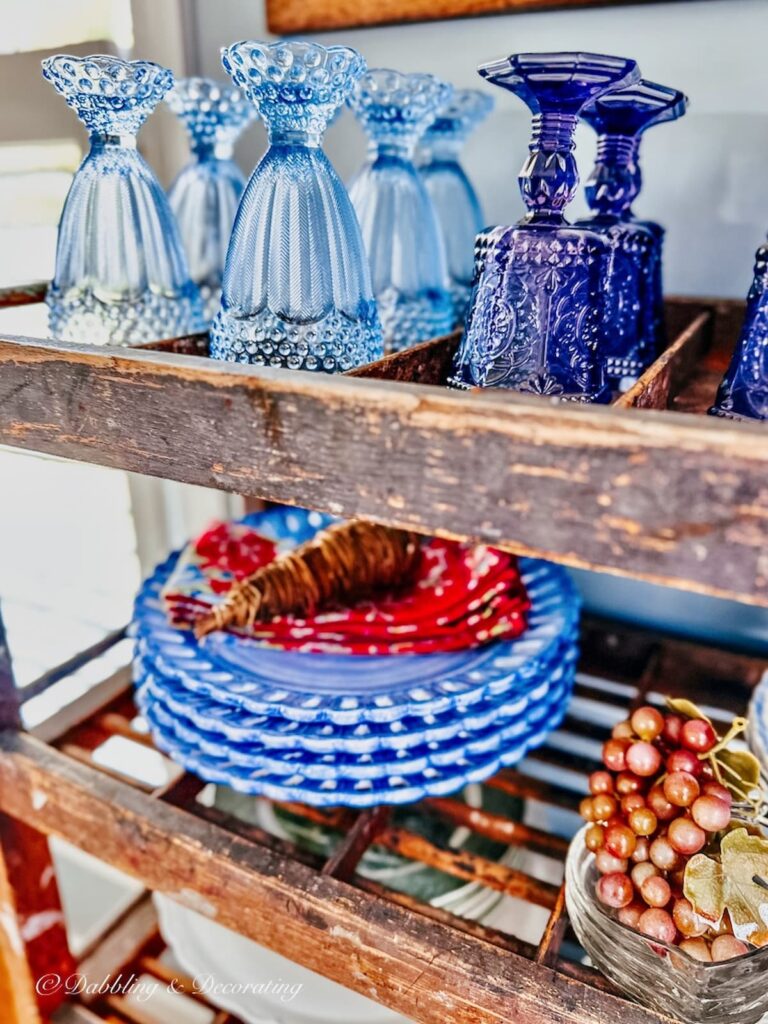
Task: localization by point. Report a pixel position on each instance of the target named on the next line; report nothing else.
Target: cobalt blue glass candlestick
(296, 289)
(398, 221)
(121, 277)
(205, 195)
(458, 208)
(536, 321)
(634, 291)
(743, 392)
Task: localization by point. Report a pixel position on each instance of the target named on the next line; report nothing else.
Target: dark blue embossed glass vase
(743, 392)
(456, 203)
(398, 221)
(121, 277)
(536, 321)
(205, 195)
(297, 289)
(634, 291)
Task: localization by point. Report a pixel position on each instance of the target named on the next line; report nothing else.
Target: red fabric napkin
(462, 596)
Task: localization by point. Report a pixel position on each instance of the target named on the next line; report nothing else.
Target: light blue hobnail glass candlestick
(634, 294)
(458, 208)
(297, 289)
(121, 277)
(743, 391)
(397, 218)
(537, 321)
(205, 195)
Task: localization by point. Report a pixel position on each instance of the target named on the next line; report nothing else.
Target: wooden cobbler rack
(649, 488)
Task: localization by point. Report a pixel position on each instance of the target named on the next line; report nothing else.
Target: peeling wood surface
(287, 17)
(660, 496)
(418, 966)
(33, 938)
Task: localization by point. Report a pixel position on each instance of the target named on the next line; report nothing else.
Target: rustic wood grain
(498, 828)
(664, 378)
(31, 924)
(344, 861)
(418, 966)
(23, 294)
(664, 497)
(17, 985)
(287, 17)
(429, 362)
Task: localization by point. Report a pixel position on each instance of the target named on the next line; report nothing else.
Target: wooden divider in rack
(425, 962)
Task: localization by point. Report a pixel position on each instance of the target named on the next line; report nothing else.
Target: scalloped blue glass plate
(323, 737)
(350, 689)
(341, 790)
(419, 758)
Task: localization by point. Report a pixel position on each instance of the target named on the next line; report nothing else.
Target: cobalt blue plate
(351, 689)
(418, 758)
(324, 737)
(341, 790)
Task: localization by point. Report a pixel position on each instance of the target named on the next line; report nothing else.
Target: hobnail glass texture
(205, 195)
(121, 277)
(455, 200)
(296, 291)
(634, 293)
(743, 391)
(397, 218)
(537, 321)
(659, 976)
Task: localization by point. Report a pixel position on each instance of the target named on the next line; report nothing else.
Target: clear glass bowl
(661, 977)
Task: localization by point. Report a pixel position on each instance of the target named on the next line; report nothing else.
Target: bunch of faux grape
(655, 806)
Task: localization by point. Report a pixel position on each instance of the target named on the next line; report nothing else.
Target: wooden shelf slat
(369, 944)
(667, 497)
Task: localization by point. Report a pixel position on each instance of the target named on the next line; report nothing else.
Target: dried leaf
(704, 886)
(686, 708)
(740, 771)
(730, 885)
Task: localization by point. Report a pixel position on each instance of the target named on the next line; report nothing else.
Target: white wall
(705, 176)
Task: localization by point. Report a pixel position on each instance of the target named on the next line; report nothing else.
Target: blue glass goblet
(536, 321)
(397, 218)
(297, 289)
(206, 193)
(121, 277)
(458, 208)
(634, 290)
(743, 391)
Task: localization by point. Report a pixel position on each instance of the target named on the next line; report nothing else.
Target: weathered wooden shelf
(650, 487)
(426, 963)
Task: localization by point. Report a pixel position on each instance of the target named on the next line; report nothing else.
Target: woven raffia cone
(339, 566)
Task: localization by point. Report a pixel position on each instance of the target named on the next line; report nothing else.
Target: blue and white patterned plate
(341, 790)
(351, 689)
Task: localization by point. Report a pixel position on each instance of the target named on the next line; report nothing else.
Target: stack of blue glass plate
(352, 730)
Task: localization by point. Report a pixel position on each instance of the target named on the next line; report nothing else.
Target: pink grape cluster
(655, 806)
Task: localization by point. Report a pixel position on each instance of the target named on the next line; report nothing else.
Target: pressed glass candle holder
(743, 392)
(634, 291)
(296, 289)
(205, 195)
(456, 203)
(537, 319)
(660, 976)
(121, 277)
(398, 221)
